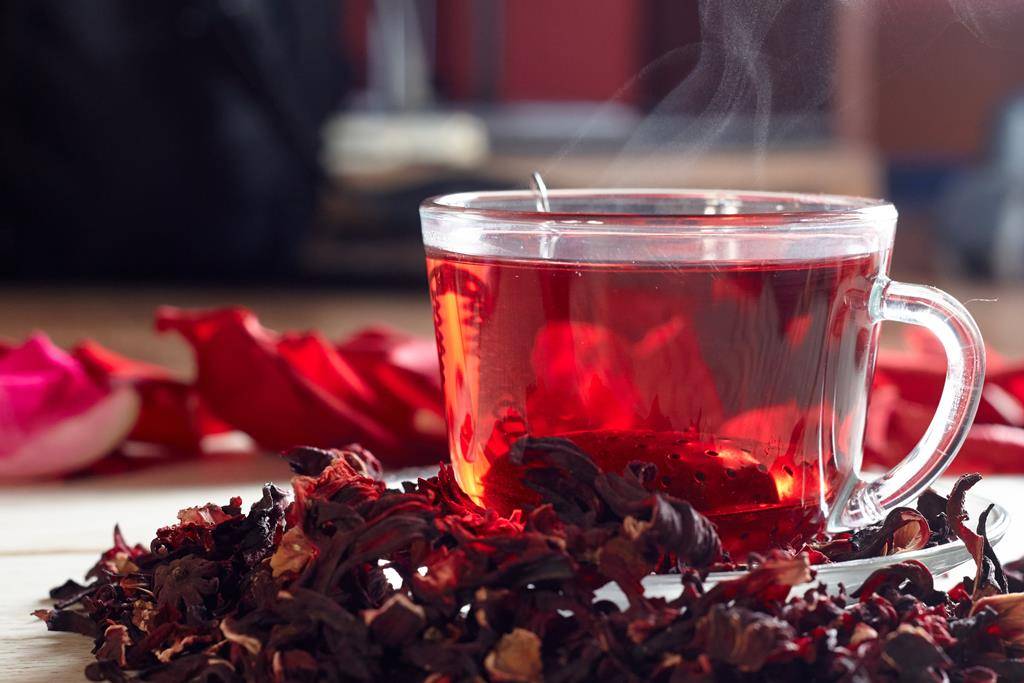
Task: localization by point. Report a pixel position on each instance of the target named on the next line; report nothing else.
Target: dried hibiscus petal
(979, 674)
(903, 529)
(67, 620)
(397, 621)
(911, 575)
(186, 581)
(742, 638)
(119, 559)
(914, 655)
(933, 507)
(294, 553)
(989, 577)
(115, 641)
(312, 461)
(1009, 619)
(515, 658)
(568, 479)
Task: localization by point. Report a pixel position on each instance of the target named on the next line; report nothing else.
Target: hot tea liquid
(745, 383)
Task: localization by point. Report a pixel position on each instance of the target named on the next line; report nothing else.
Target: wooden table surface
(53, 531)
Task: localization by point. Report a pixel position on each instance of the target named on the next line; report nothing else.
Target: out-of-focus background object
(262, 139)
(170, 140)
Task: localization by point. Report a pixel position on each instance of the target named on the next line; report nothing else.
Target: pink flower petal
(54, 417)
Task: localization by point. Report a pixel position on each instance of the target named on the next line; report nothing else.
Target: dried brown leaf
(516, 658)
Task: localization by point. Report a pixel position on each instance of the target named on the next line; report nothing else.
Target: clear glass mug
(728, 337)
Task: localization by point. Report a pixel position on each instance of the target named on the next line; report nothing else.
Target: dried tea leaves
(350, 581)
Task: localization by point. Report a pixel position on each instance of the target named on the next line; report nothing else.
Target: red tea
(744, 382)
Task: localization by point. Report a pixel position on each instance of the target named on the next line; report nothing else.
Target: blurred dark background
(290, 141)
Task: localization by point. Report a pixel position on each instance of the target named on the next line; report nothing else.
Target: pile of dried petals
(351, 581)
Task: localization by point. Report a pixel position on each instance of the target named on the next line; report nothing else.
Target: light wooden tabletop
(55, 531)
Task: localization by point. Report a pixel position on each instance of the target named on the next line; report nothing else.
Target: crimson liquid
(744, 382)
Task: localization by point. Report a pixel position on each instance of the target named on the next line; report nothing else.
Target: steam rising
(763, 72)
(990, 21)
(733, 77)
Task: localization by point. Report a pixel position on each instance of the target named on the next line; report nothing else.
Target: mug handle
(948, 320)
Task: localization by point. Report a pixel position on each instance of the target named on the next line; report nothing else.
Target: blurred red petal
(991, 449)
(1009, 378)
(906, 389)
(403, 373)
(988, 449)
(298, 389)
(172, 413)
(102, 362)
(920, 380)
(922, 344)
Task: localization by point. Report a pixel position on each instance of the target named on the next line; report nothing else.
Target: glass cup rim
(830, 211)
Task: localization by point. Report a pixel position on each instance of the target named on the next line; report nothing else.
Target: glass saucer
(852, 573)
(939, 559)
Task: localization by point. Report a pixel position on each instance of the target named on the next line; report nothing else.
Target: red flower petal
(403, 375)
(906, 390)
(989, 448)
(172, 413)
(298, 389)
